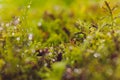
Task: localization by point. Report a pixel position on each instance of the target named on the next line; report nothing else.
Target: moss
(59, 40)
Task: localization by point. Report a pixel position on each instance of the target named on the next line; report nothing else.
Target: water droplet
(7, 24)
(18, 65)
(16, 21)
(18, 50)
(78, 71)
(39, 24)
(18, 38)
(53, 60)
(118, 31)
(30, 36)
(28, 6)
(70, 47)
(50, 53)
(89, 37)
(90, 51)
(13, 34)
(45, 64)
(96, 55)
(15, 27)
(1, 28)
(109, 34)
(69, 70)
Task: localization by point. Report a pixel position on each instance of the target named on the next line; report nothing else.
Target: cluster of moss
(59, 40)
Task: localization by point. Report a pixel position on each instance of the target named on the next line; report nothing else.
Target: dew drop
(53, 60)
(70, 47)
(96, 55)
(13, 34)
(39, 24)
(28, 6)
(18, 38)
(30, 36)
(16, 21)
(78, 71)
(18, 65)
(7, 24)
(45, 64)
(50, 53)
(15, 27)
(1, 28)
(89, 37)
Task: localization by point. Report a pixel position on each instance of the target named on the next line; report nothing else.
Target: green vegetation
(59, 40)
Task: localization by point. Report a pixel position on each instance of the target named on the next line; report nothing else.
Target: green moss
(59, 40)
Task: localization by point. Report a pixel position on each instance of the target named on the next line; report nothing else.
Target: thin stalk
(110, 11)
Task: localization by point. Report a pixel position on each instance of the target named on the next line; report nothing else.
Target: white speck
(96, 55)
(53, 60)
(17, 50)
(16, 21)
(39, 24)
(45, 64)
(18, 65)
(1, 28)
(13, 34)
(109, 34)
(40, 51)
(18, 38)
(15, 27)
(28, 6)
(50, 53)
(70, 47)
(78, 71)
(69, 70)
(89, 37)
(51, 48)
(90, 51)
(30, 36)
(7, 25)
(85, 40)
(118, 31)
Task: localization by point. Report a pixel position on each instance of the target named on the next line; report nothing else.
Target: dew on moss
(96, 55)
(28, 6)
(30, 36)
(18, 38)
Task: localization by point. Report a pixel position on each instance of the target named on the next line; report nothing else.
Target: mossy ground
(59, 40)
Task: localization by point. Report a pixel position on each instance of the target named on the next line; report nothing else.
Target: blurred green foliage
(59, 40)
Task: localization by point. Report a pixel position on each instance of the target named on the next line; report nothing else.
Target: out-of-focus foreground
(59, 40)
